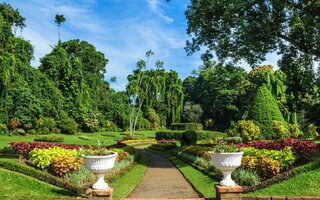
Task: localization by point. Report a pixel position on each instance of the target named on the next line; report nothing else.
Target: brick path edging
(279, 198)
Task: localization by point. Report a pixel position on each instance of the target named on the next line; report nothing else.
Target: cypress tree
(264, 110)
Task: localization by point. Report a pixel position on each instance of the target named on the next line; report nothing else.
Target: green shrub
(168, 135)
(21, 131)
(83, 137)
(91, 124)
(13, 124)
(247, 129)
(279, 130)
(200, 137)
(285, 156)
(235, 140)
(186, 126)
(42, 158)
(246, 177)
(264, 110)
(311, 133)
(3, 129)
(80, 177)
(163, 146)
(294, 130)
(154, 118)
(46, 124)
(68, 126)
(209, 123)
(51, 138)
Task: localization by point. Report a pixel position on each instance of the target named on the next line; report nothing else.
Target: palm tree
(59, 20)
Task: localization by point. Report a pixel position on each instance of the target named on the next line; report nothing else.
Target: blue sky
(122, 29)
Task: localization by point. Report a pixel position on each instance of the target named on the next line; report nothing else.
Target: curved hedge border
(40, 175)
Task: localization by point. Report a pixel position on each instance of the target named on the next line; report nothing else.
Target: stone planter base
(228, 193)
(100, 194)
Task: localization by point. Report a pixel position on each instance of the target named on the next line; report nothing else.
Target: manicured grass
(201, 182)
(16, 185)
(306, 184)
(126, 184)
(74, 139)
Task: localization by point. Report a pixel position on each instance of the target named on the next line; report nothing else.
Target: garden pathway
(162, 180)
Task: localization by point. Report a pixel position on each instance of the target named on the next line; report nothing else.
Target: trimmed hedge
(201, 137)
(49, 138)
(264, 110)
(40, 175)
(169, 135)
(186, 126)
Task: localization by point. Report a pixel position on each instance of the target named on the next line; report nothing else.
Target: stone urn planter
(99, 165)
(226, 163)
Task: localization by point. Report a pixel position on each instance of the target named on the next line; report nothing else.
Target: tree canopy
(246, 29)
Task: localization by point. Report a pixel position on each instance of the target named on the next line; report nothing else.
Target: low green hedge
(49, 138)
(40, 175)
(200, 137)
(169, 135)
(186, 126)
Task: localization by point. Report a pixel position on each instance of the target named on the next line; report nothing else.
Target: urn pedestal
(226, 163)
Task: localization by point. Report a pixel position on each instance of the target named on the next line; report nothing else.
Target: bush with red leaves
(24, 147)
(304, 150)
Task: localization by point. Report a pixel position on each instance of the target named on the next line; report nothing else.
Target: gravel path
(162, 180)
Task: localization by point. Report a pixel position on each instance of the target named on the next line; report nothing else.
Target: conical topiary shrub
(264, 110)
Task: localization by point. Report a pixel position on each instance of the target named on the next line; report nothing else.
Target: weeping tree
(174, 97)
(138, 88)
(154, 90)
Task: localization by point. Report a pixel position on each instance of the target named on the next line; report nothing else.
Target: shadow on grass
(64, 193)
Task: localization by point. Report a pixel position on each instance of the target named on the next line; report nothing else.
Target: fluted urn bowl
(99, 165)
(226, 163)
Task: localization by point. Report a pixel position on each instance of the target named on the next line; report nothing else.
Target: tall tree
(59, 19)
(219, 90)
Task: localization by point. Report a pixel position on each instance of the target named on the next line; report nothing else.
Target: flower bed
(267, 158)
(25, 147)
(61, 159)
(304, 150)
(137, 141)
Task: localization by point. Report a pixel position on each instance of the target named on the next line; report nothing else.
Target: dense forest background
(68, 93)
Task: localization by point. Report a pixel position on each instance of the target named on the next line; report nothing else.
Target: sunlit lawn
(74, 139)
(16, 185)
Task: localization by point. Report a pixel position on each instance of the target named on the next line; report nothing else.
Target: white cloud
(155, 8)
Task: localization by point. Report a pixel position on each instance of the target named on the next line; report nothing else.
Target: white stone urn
(226, 163)
(99, 165)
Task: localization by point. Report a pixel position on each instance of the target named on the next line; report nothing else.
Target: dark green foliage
(201, 137)
(244, 29)
(68, 126)
(264, 110)
(168, 135)
(186, 126)
(47, 138)
(220, 91)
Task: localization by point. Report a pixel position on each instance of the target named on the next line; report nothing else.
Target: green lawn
(126, 184)
(16, 185)
(201, 182)
(74, 139)
(306, 184)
